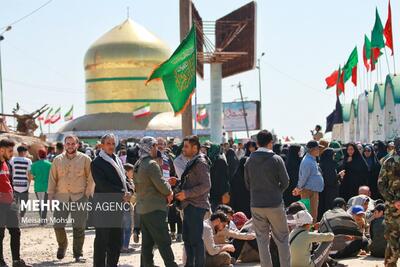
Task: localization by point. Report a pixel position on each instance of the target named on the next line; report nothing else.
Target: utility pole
(185, 21)
(259, 87)
(1, 75)
(244, 109)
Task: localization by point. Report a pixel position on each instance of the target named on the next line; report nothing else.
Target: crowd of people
(280, 205)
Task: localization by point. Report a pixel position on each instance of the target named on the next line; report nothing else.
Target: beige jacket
(70, 179)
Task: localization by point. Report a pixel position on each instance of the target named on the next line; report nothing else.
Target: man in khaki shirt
(70, 180)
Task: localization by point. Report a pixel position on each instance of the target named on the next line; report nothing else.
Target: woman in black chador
(356, 172)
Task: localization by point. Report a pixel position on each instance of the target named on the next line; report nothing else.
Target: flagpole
(195, 111)
(394, 65)
(387, 60)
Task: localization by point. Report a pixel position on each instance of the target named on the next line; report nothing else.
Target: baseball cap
(379, 207)
(357, 209)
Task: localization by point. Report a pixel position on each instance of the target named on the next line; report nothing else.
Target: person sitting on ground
(245, 250)
(342, 224)
(363, 192)
(363, 199)
(377, 231)
(231, 234)
(217, 255)
(358, 214)
(229, 212)
(301, 238)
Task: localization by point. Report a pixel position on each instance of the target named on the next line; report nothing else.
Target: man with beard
(389, 187)
(111, 188)
(8, 207)
(70, 181)
(217, 255)
(194, 201)
(153, 195)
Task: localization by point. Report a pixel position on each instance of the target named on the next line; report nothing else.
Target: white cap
(303, 217)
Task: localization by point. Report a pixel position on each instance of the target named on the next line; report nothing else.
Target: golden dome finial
(127, 13)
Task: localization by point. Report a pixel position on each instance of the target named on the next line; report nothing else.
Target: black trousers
(9, 219)
(352, 249)
(107, 247)
(174, 220)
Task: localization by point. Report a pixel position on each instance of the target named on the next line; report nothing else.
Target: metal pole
(216, 110)
(387, 61)
(185, 21)
(1, 79)
(259, 89)
(195, 111)
(244, 110)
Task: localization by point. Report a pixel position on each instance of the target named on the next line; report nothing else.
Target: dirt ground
(38, 247)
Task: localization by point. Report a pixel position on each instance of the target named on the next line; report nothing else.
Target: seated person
(377, 231)
(358, 214)
(217, 255)
(229, 212)
(230, 231)
(348, 237)
(363, 192)
(301, 243)
(245, 250)
(365, 202)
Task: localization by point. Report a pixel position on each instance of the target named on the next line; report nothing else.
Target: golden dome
(117, 66)
(127, 41)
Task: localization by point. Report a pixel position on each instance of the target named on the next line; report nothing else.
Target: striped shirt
(21, 167)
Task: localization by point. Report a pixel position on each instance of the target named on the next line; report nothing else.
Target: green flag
(178, 73)
(377, 33)
(350, 64)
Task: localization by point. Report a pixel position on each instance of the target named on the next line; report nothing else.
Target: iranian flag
(70, 114)
(350, 68)
(366, 52)
(178, 73)
(377, 41)
(142, 111)
(56, 116)
(201, 114)
(47, 120)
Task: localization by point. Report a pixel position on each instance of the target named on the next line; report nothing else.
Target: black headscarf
(356, 173)
(381, 151)
(292, 166)
(374, 168)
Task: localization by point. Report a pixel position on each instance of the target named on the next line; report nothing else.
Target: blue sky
(304, 41)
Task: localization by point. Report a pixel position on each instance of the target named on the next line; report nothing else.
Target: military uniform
(389, 187)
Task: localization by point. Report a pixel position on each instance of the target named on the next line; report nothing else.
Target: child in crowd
(127, 216)
(377, 232)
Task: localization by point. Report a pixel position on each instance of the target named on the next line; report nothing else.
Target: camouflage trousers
(392, 235)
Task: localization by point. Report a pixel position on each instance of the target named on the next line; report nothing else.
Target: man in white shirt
(21, 173)
(216, 255)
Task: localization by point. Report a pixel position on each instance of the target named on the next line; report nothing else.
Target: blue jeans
(193, 236)
(126, 228)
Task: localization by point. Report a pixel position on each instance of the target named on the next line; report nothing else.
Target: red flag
(375, 54)
(387, 31)
(354, 75)
(340, 83)
(331, 80)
